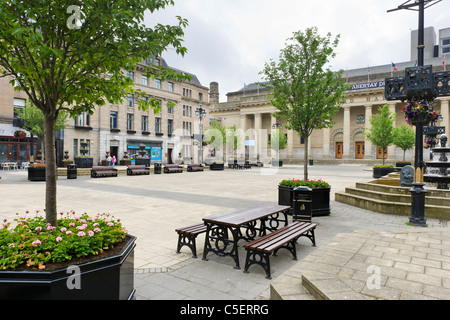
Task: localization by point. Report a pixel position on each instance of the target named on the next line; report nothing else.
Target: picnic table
(217, 239)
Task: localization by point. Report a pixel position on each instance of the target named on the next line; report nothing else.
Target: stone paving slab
(152, 207)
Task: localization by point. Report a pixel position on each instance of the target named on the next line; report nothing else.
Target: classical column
(258, 127)
(326, 143)
(445, 112)
(367, 143)
(346, 147)
(391, 149)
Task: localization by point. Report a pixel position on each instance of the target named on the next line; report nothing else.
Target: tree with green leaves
(305, 91)
(74, 57)
(381, 132)
(404, 138)
(278, 141)
(33, 120)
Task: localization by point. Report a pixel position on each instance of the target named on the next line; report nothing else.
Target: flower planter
(36, 174)
(320, 199)
(126, 162)
(110, 278)
(381, 172)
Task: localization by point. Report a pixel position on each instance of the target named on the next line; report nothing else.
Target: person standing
(114, 161)
(109, 160)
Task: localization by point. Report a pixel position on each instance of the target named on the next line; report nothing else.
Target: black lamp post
(201, 113)
(419, 83)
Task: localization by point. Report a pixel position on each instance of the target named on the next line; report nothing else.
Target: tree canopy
(381, 132)
(305, 91)
(73, 56)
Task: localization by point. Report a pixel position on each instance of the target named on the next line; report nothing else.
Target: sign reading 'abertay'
(368, 85)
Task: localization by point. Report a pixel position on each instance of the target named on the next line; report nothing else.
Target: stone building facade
(120, 128)
(250, 110)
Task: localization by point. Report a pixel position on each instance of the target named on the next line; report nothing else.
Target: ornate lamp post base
(417, 217)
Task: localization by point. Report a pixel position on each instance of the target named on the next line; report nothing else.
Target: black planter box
(216, 166)
(320, 199)
(84, 162)
(36, 174)
(140, 162)
(277, 163)
(402, 164)
(381, 172)
(110, 278)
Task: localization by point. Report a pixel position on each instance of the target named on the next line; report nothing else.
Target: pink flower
(58, 239)
(63, 229)
(35, 243)
(38, 228)
(91, 233)
(81, 234)
(72, 224)
(110, 224)
(69, 232)
(97, 230)
(95, 224)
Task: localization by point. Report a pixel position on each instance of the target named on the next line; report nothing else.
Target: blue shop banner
(156, 154)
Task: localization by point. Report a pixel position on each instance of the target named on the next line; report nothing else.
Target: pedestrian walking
(114, 161)
(109, 161)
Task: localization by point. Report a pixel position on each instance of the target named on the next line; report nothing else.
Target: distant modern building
(118, 128)
(249, 109)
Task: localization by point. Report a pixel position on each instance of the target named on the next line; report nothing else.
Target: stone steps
(383, 196)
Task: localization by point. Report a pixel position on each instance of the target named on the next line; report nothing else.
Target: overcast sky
(229, 41)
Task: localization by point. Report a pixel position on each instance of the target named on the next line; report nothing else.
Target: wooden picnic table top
(243, 216)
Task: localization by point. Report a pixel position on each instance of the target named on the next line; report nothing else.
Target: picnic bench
(194, 167)
(259, 250)
(226, 229)
(169, 168)
(103, 171)
(137, 169)
(187, 236)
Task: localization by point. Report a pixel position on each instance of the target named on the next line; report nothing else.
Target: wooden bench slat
(187, 236)
(259, 250)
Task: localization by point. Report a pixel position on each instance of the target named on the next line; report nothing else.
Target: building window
(158, 84)
(200, 96)
(157, 62)
(169, 126)
(446, 42)
(144, 80)
(75, 147)
(145, 123)
(113, 120)
(130, 75)
(130, 120)
(445, 50)
(157, 125)
(170, 109)
(170, 86)
(19, 105)
(130, 101)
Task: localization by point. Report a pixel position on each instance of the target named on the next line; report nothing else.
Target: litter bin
(157, 168)
(71, 171)
(302, 203)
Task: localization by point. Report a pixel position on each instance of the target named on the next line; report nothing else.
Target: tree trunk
(305, 161)
(50, 169)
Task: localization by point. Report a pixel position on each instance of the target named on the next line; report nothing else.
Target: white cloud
(229, 41)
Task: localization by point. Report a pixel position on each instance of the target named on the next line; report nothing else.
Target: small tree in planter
(404, 138)
(278, 141)
(381, 134)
